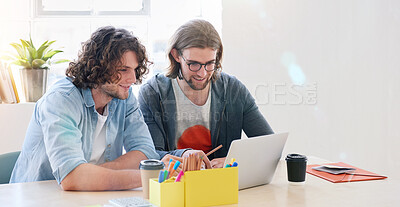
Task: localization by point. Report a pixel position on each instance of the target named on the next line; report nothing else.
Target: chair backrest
(7, 162)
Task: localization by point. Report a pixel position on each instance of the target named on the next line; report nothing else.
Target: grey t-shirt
(193, 122)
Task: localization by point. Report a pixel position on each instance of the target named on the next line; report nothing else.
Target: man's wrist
(187, 149)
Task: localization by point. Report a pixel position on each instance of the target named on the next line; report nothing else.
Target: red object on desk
(341, 178)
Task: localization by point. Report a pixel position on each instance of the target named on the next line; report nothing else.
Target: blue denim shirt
(59, 135)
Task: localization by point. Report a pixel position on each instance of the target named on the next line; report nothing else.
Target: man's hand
(206, 161)
(166, 160)
(218, 162)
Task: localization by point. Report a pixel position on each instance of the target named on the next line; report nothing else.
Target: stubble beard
(193, 86)
(114, 93)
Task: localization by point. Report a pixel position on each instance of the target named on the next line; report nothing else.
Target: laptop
(257, 158)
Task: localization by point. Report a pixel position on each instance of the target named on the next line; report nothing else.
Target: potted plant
(35, 63)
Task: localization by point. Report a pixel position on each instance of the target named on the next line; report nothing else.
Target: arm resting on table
(95, 178)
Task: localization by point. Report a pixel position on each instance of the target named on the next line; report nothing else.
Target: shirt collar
(87, 97)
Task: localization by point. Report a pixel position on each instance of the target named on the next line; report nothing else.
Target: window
(92, 7)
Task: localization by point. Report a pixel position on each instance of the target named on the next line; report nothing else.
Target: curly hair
(101, 55)
(195, 33)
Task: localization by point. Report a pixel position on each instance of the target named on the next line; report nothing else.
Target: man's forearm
(130, 160)
(90, 177)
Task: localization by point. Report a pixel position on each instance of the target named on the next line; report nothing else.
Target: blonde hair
(195, 33)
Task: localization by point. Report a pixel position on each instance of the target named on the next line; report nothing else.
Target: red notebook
(358, 174)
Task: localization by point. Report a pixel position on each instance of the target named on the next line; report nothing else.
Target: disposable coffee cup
(149, 169)
(296, 168)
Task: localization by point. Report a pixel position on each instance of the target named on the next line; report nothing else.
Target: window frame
(39, 12)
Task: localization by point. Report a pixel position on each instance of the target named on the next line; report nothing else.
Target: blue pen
(235, 164)
(161, 176)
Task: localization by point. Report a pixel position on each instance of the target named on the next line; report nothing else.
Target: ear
(175, 54)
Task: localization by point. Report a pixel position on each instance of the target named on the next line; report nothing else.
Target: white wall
(348, 49)
(14, 120)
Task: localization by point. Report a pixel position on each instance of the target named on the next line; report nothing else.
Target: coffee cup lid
(151, 164)
(296, 158)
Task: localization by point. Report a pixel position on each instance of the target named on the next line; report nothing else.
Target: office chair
(7, 162)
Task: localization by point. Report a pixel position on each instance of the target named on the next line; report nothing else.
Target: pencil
(215, 149)
(200, 160)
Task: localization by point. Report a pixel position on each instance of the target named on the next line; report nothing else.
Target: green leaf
(22, 63)
(41, 50)
(37, 63)
(50, 54)
(32, 54)
(20, 50)
(30, 38)
(51, 42)
(24, 43)
(60, 61)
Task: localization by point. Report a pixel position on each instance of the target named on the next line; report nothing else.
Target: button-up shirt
(60, 134)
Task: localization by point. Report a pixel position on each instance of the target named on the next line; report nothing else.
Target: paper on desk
(334, 169)
(354, 175)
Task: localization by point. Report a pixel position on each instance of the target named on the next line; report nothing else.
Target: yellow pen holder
(168, 193)
(211, 187)
(197, 188)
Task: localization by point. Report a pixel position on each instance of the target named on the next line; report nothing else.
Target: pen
(170, 160)
(179, 176)
(174, 168)
(171, 164)
(165, 174)
(161, 176)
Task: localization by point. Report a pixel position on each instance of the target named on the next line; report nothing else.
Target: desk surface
(315, 192)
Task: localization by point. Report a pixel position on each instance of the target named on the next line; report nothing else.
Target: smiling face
(200, 79)
(119, 89)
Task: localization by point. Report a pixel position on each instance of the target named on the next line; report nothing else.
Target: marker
(170, 168)
(235, 164)
(161, 176)
(174, 169)
(179, 176)
(169, 164)
(165, 174)
(227, 165)
(232, 160)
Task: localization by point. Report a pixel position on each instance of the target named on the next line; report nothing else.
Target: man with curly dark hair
(80, 126)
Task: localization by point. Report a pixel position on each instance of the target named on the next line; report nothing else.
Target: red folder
(359, 174)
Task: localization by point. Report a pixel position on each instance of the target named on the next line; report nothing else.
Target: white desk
(315, 192)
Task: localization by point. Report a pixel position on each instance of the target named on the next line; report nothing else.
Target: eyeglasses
(195, 66)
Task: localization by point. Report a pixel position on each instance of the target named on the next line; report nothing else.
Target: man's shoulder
(63, 85)
(226, 81)
(159, 83)
(229, 88)
(64, 88)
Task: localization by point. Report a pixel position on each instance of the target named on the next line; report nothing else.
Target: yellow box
(168, 193)
(211, 187)
(197, 188)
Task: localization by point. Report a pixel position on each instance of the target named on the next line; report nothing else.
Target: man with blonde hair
(195, 107)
